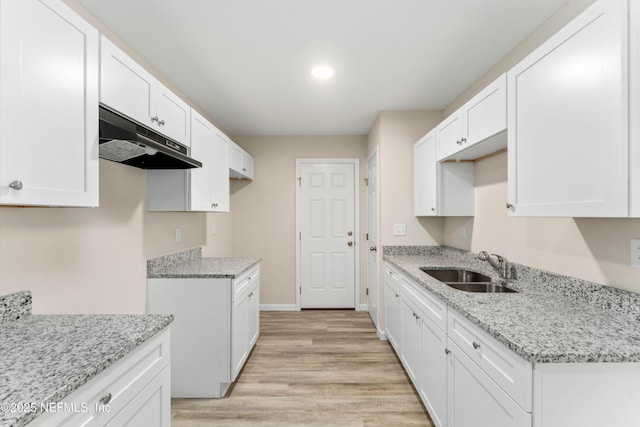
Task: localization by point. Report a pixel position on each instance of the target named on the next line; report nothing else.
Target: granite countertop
(44, 358)
(191, 264)
(552, 318)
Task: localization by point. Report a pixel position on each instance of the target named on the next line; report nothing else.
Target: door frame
(356, 232)
(374, 154)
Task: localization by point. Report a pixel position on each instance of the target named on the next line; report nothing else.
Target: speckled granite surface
(189, 266)
(44, 358)
(15, 306)
(552, 318)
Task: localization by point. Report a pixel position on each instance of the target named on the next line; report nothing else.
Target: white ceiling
(247, 63)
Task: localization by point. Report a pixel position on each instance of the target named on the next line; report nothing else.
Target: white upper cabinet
(478, 127)
(49, 105)
(204, 189)
(441, 188)
(131, 90)
(568, 106)
(240, 162)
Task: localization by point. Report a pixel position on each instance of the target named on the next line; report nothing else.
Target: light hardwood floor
(313, 368)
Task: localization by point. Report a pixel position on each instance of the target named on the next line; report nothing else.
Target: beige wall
(595, 249)
(264, 211)
(393, 134)
(591, 249)
(90, 260)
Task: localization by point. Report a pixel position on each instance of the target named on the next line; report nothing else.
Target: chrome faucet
(499, 263)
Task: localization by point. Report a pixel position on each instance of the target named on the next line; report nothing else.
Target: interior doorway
(327, 233)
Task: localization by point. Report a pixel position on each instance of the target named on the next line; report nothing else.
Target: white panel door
(173, 115)
(372, 237)
(327, 235)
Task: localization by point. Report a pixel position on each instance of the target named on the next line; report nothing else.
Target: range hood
(123, 140)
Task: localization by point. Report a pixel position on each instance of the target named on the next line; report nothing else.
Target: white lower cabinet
(464, 377)
(216, 325)
(434, 371)
(392, 307)
(134, 391)
(467, 378)
(474, 399)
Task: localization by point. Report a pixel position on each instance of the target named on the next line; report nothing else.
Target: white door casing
(372, 236)
(327, 233)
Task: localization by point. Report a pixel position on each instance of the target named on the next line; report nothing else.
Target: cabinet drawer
(510, 371)
(392, 277)
(428, 304)
(95, 403)
(245, 281)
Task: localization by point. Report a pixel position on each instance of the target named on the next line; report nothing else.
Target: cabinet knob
(373, 249)
(214, 205)
(154, 119)
(433, 210)
(447, 351)
(350, 243)
(510, 206)
(16, 185)
(463, 141)
(459, 142)
(244, 169)
(104, 400)
(476, 345)
(161, 122)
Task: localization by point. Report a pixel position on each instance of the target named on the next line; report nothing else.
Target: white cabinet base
(586, 394)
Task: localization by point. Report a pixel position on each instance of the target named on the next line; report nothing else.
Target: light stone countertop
(44, 358)
(552, 318)
(190, 264)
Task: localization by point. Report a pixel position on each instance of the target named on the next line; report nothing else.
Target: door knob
(373, 249)
(350, 233)
(350, 243)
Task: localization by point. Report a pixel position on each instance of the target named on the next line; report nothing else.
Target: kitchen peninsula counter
(44, 358)
(552, 318)
(191, 264)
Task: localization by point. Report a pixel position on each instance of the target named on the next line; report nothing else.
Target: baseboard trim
(277, 307)
(363, 307)
(382, 335)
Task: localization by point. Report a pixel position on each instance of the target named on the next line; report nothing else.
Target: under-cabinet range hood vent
(125, 141)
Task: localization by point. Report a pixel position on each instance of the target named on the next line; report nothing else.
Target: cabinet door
(220, 173)
(151, 407)
(411, 341)
(235, 157)
(253, 317)
(239, 327)
(568, 120)
(433, 383)
(474, 400)
(125, 86)
(449, 135)
(486, 114)
(173, 115)
(49, 105)
(391, 315)
(202, 134)
(425, 176)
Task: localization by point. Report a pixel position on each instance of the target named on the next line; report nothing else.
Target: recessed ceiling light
(322, 72)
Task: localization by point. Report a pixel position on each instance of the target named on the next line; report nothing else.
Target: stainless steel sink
(465, 280)
(479, 287)
(456, 275)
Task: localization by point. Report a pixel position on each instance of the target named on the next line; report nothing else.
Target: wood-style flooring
(313, 368)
